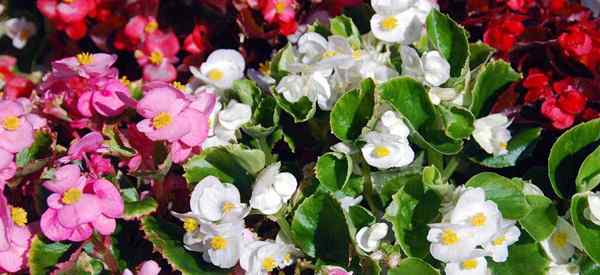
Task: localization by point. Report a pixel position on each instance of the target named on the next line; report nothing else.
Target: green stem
(450, 168)
(368, 190)
(284, 227)
(436, 159)
(264, 146)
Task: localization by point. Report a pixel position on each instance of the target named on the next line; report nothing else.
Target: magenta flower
(197, 115)
(109, 98)
(157, 55)
(85, 65)
(162, 107)
(91, 142)
(278, 10)
(15, 237)
(16, 132)
(138, 27)
(8, 168)
(79, 205)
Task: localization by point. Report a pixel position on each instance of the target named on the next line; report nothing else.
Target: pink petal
(65, 177)
(20, 235)
(5, 223)
(47, 7)
(88, 143)
(81, 233)
(21, 138)
(204, 103)
(36, 121)
(86, 210)
(10, 108)
(164, 72)
(149, 268)
(105, 225)
(54, 201)
(157, 100)
(51, 228)
(13, 259)
(72, 12)
(198, 127)
(172, 132)
(84, 106)
(179, 152)
(6, 158)
(111, 202)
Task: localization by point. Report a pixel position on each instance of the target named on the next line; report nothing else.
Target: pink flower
(138, 27)
(335, 270)
(157, 55)
(162, 107)
(87, 144)
(146, 268)
(109, 99)
(8, 168)
(278, 10)
(79, 205)
(16, 132)
(85, 65)
(68, 15)
(15, 237)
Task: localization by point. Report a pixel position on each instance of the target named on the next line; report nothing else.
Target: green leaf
(489, 82)
(231, 163)
(301, 111)
(588, 267)
(281, 61)
(352, 111)
(167, 240)
(506, 193)
(408, 97)
(524, 257)
(568, 152)
(450, 39)
(246, 92)
(43, 255)
(412, 209)
(458, 121)
(334, 170)
(517, 147)
(138, 209)
(265, 119)
(41, 146)
(480, 54)
(343, 26)
(360, 216)
(541, 221)
(432, 176)
(589, 232)
(588, 176)
(416, 266)
(319, 229)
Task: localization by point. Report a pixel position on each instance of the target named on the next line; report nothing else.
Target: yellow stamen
(264, 68)
(125, 80)
(18, 215)
(287, 258)
(71, 196)
(449, 237)
(478, 220)
(504, 145)
(84, 58)
(227, 207)
(389, 23)
(381, 151)
(11, 123)
(280, 6)
(560, 239)
(469, 264)
(218, 243)
(356, 54)
(162, 120)
(151, 27)
(24, 35)
(329, 54)
(499, 241)
(268, 264)
(156, 58)
(177, 85)
(190, 225)
(215, 74)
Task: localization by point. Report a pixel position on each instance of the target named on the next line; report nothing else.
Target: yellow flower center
(268, 264)
(264, 68)
(381, 151)
(84, 58)
(329, 54)
(503, 145)
(389, 23)
(356, 54)
(280, 6)
(24, 35)
(215, 74)
(560, 239)
(156, 58)
(478, 220)
(227, 207)
(68, 1)
(151, 27)
(287, 257)
(125, 80)
(71, 196)
(218, 243)
(162, 120)
(11, 123)
(499, 241)
(177, 85)
(190, 225)
(19, 216)
(469, 264)
(449, 237)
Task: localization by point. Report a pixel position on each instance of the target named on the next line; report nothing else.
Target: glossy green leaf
(265, 118)
(432, 176)
(518, 146)
(450, 39)
(352, 111)
(414, 266)
(524, 257)
(167, 239)
(280, 62)
(301, 111)
(588, 176)
(360, 216)
(506, 193)
(412, 209)
(541, 221)
(334, 170)
(568, 152)
(138, 209)
(458, 122)
(319, 229)
(41, 146)
(44, 255)
(588, 267)
(480, 54)
(343, 26)
(489, 83)
(408, 97)
(589, 232)
(246, 92)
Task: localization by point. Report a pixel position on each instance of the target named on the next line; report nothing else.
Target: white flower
(262, 257)
(472, 266)
(563, 269)
(193, 237)
(497, 246)
(391, 6)
(593, 211)
(221, 68)
(492, 134)
(451, 242)
(234, 115)
(311, 47)
(272, 189)
(215, 201)
(346, 201)
(368, 237)
(391, 123)
(438, 95)
(222, 243)
(19, 30)
(560, 246)
(386, 151)
(481, 215)
(422, 9)
(532, 189)
(377, 71)
(314, 86)
(431, 67)
(403, 27)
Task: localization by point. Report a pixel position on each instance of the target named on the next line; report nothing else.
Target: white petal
(235, 115)
(391, 6)
(285, 184)
(436, 68)
(406, 30)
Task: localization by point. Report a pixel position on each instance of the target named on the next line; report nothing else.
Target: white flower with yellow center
(593, 211)
(492, 134)
(222, 243)
(498, 245)
(313, 85)
(215, 201)
(431, 67)
(19, 30)
(223, 123)
(404, 27)
(391, 123)
(272, 189)
(311, 47)
(451, 242)
(369, 237)
(560, 246)
(221, 68)
(263, 257)
(471, 266)
(563, 269)
(391, 6)
(385, 151)
(193, 237)
(483, 216)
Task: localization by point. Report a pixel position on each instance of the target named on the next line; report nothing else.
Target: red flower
(17, 86)
(521, 6)
(157, 55)
(537, 85)
(559, 119)
(68, 15)
(135, 32)
(575, 43)
(503, 33)
(197, 42)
